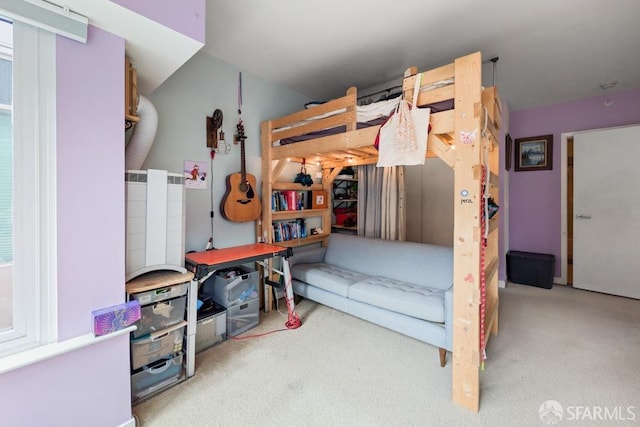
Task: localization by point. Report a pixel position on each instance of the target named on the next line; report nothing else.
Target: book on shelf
(290, 230)
(290, 200)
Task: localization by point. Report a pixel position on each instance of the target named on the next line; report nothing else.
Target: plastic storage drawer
(232, 286)
(159, 345)
(160, 315)
(528, 268)
(211, 328)
(242, 317)
(161, 294)
(156, 376)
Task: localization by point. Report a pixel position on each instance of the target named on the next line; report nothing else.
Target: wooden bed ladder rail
(468, 243)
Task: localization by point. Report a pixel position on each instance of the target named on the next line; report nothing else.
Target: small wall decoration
(195, 175)
(319, 199)
(534, 153)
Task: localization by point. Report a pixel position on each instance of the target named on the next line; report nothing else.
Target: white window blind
(34, 267)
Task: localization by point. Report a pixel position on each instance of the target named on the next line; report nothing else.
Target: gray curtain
(381, 202)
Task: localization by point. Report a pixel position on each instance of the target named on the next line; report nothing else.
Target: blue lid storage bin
(529, 268)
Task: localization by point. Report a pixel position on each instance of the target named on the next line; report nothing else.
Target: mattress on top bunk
(435, 108)
(330, 131)
(367, 115)
(373, 114)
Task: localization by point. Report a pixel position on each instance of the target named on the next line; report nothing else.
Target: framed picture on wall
(534, 153)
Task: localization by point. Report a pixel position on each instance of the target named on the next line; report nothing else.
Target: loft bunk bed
(465, 137)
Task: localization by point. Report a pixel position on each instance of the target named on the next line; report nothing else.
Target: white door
(606, 208)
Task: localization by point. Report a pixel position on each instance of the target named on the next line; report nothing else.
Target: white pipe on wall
(144, 133)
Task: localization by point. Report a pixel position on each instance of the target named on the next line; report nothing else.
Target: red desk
(203, 263)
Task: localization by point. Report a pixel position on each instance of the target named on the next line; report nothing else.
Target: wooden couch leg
(443, 357)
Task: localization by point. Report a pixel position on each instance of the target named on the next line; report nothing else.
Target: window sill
(38, 354)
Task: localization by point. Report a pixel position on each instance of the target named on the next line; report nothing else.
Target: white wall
(183, 102)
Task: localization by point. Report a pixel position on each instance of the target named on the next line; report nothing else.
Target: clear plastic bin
(160, 315)
(161, 294)
(157, 346)
(211, 329)
(156, 376)
(242, 317)
(232, 286)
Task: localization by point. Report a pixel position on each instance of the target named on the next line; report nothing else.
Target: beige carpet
(579, 348)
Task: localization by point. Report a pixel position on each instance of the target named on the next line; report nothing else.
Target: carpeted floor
(576, 347)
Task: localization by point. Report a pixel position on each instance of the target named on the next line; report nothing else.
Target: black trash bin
(529, 268)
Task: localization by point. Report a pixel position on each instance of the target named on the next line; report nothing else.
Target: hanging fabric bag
(402, 138)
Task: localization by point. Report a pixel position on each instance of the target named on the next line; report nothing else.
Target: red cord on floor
(245, 337)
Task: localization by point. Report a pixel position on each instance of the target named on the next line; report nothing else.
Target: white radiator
(155, 227)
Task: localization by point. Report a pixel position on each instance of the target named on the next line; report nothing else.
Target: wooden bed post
(265, 229)
(462, 138)
(467, 239)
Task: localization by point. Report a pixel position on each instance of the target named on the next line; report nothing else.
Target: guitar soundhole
(244, 187)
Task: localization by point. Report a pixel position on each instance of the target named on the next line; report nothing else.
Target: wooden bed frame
(465, 138)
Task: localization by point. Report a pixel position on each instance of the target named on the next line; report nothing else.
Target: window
(27, 187)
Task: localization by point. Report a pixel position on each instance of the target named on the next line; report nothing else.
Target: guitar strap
(240, 93)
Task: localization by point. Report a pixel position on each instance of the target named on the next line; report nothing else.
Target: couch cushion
(411, 262)
(402, 297)
(328, 277)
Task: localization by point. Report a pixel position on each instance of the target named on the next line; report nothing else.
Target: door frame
(563, 196)
(564, 137)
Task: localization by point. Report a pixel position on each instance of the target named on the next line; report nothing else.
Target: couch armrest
(448, 317)
(307, 256)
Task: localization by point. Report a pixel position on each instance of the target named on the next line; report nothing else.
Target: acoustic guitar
(240, 203)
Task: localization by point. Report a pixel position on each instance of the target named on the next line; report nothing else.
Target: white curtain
(381, 202)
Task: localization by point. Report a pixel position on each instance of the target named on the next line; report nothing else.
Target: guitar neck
(243, 169)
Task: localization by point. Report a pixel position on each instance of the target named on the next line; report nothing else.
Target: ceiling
(549, 50)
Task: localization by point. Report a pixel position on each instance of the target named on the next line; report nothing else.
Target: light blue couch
(403, 286)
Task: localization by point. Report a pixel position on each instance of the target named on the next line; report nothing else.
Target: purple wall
(90, 386)
(185, 16)
(534, 197)
(90, 177)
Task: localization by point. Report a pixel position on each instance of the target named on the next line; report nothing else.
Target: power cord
(244, 337)
(277, 302)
